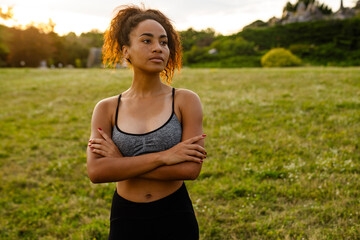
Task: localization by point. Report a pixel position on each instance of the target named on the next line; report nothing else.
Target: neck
(145, 85)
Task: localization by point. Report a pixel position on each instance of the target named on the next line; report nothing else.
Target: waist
(144, 190)
(176, 202)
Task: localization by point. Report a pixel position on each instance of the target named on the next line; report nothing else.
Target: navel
(148, 196)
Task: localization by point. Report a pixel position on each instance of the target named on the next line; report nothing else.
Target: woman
(148, 139)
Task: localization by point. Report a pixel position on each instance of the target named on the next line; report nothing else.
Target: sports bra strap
(117, 110)
(173, 96)
(117, 107)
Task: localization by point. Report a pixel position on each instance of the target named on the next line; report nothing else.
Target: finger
(195, 153)
(197, 148)
(98, 151)
(98, 146)
(194, 159)
(195, 139)
(97, 140)
(104, 135)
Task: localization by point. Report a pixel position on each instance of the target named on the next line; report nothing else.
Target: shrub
(78, 63)
(302, 50)
(230, 62)
(234, 47)
(280, 57)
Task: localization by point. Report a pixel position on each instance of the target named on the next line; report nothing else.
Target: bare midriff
(146, 190)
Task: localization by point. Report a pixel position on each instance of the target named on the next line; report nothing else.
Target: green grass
(283, 153)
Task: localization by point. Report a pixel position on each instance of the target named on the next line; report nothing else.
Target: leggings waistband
(178, 201)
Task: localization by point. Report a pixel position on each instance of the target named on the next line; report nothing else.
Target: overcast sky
(225, 16)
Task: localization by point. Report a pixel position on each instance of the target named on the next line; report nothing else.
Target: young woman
(149, 139)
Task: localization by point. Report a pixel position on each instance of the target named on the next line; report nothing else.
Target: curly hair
(118, 35)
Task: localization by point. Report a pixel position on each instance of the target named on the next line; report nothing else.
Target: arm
(105, 163)
(108, 169)
(192, 118)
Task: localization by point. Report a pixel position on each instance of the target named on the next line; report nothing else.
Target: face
(148, 50)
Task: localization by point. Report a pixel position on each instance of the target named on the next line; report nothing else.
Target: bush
(78, 63)
(234, 47)
(230, 62)
(280, 57)
(302, 50)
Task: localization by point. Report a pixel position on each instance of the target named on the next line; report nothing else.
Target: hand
(186, 151)
(104, 146)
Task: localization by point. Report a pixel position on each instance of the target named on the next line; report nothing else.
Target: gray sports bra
(160, 139)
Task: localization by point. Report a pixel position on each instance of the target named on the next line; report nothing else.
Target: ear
(125, 51)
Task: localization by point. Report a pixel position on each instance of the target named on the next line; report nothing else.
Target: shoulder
(189, 105)
(106, 107)
(106, 103)
(185, 96)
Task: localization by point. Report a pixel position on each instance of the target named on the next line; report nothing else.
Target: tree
(289, 7)
(322, 7)
(234, 46)
(4, 49)
(255, 24)
(191, 37)
(8, 14)
(94, 38)
(46, 27)
(30, 46)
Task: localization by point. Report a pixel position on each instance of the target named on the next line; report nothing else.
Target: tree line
(325, 42)
(27, 47)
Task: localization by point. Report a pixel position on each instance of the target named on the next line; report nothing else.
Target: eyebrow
(152, 35)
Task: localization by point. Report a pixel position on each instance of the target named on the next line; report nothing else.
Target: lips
(157, 58)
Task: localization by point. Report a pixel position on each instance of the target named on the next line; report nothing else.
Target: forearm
(181, 171)
(110, 169)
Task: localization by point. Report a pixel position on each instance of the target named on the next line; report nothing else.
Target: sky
(224, 16)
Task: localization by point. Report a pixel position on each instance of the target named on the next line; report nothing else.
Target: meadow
(283, 153)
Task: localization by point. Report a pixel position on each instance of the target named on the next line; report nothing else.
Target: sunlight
(65, 22)
(82, 16)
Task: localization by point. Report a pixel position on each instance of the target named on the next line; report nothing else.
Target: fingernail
(89, 145)
(90, 140)
(100, 129)
(201, 161)
(204, 135)
(205, 153)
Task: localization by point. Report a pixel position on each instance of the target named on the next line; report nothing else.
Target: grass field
(283, 146)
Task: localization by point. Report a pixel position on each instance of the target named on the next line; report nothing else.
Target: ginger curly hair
(118, 35)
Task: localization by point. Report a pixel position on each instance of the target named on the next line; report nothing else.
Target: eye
(164, 43)
(146, 41)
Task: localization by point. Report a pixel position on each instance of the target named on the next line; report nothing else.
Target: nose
(157, 48)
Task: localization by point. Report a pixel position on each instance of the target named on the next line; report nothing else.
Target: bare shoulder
(103, 116)
(104, 110)
(191, 114)
(107, 103)
(185, 96)
(189, 105)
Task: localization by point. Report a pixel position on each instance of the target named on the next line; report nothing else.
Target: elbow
(95, 180)
(193, 174)
(94, 175)
(94, 172)
(191, 171)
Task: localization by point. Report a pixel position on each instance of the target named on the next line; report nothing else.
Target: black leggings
(169, 218)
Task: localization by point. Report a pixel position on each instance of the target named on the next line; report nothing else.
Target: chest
(139, 116)
(161, 139)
